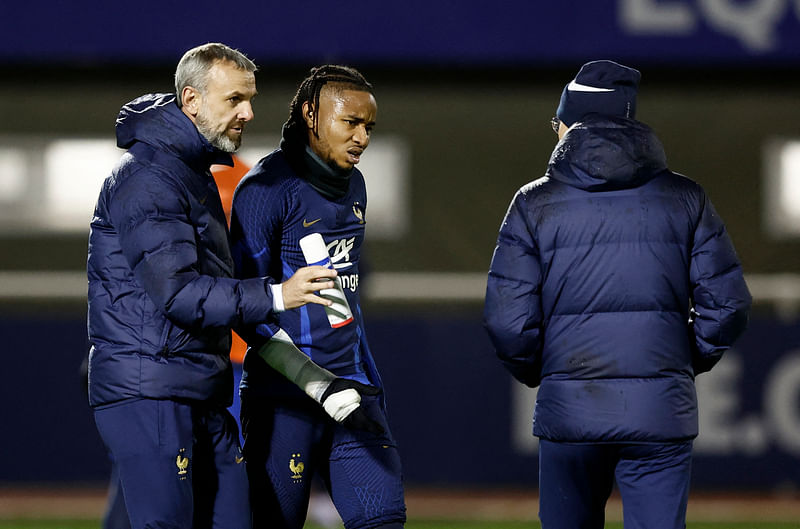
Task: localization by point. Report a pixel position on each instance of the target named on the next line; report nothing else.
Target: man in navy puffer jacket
(613, 284)
(162, 300)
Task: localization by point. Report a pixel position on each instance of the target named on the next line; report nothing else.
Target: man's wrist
(277, 297)
(316, 389)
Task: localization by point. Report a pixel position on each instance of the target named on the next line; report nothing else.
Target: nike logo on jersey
(306, 223)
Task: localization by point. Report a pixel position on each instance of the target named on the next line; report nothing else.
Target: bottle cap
(314, 250)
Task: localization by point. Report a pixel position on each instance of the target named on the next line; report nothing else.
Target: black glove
(357, 419)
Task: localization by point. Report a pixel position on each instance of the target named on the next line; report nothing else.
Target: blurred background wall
(465, 93)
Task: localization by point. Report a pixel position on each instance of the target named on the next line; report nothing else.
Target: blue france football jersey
(273, 209)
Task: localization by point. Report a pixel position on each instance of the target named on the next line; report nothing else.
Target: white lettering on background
(753, 23)
(726, 430)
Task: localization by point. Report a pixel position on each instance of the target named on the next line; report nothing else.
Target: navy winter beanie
(602, 87)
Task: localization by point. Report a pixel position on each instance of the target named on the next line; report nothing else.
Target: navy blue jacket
(162, 298)
(596, 268)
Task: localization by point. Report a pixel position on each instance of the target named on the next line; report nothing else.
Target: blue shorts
(575, 481)
(179, 464)
(288, 443)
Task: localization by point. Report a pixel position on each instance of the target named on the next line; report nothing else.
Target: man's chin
(343, 166)
(236, 140)
(227, 144)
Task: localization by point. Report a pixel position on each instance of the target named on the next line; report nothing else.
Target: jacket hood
(156, 120)
(604, 153)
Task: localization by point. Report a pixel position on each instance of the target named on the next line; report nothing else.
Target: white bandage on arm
(284, 356)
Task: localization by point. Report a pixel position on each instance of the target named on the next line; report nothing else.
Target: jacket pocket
(165, 343)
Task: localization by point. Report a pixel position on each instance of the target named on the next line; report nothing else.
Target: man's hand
(342, 401)
(339, 397)
(299, 289)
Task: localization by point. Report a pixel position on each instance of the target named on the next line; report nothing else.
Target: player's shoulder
(357, 174)
(357, 181)
(676, 183)
(680, 179)
(271, 171)
(139, 173)
(534, 188)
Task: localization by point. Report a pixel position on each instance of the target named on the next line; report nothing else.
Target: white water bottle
(316, 253)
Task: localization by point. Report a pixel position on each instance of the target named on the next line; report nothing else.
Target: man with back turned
(612, 285)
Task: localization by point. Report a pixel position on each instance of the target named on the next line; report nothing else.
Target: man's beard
(218, 139)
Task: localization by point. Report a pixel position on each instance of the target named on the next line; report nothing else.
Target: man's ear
(308, 115)
(190, 100)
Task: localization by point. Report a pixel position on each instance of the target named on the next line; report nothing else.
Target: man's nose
(361, 136)
(246, 111)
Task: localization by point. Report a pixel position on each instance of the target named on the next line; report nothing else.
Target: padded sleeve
(721, 300)
(159, 242)
(512, 310)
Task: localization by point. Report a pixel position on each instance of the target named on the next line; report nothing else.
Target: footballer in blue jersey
(311, 186)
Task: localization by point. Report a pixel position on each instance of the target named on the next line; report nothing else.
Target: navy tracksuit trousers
(575, 481)
(180, 464)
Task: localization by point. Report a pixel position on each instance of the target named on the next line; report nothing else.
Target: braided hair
(294, 130)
